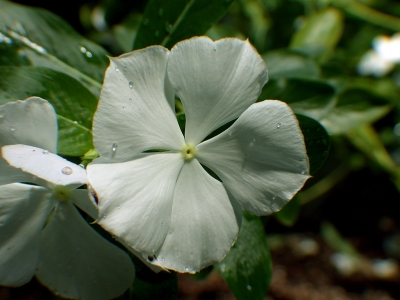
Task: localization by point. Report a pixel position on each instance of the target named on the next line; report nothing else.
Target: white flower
(382, 58)
(41, 232)
(165, 204)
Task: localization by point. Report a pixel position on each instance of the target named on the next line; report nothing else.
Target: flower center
(61, 193)
(188, 152)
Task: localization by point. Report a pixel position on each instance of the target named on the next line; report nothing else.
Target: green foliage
(44, 39)
(73, 103)
(248, 268)
(319, 34)
(289, 213)
(168, 22)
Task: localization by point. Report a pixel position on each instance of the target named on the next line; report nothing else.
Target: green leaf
(289, 213)
(355, 107)
(73, 103)
(289, 64)
(317, 141)
(47, 40)
(248, 268)
(310, 97)
(149, 285)
(166, 22)
(319, 34)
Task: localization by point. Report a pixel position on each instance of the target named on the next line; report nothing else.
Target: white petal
(76, 262)
(261, 158)
(135, 198)
(45, 165)
(23, 212)
(216, 81)
(10, 174)
(203, 222)
(84, 201)
(134, 112)
(31, 122)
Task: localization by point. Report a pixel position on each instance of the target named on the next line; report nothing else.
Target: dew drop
(89, 54)
(223, 268)
(114, 147)
(278, 125)
(45, 152)
(82, 166)
(215, 49)
(168, 27)
(273, 197)
(186, 269)
(124, 68)
(82, 49)
(249, 287)
(163, 259)
(253, 140)
(130, 84)
(76, 122)
(58, 181)
(67, 171)
(118, 207)
(12, 129)
(130, 99)
(116, 69)
(303, 172)
(123, 108)
(1, 115)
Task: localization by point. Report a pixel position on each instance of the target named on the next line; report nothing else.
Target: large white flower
(165, 204)
(41, 231)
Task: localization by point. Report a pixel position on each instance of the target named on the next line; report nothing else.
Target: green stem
(41, 51)
(368, 14)
(74, 122)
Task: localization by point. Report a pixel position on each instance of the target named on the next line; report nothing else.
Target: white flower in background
(382, 58)
(41, 231)
(165, 204)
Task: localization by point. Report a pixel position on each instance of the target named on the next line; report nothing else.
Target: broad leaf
(319, 34)
(354, 108)
(310, 97)
(289, 64)
(248, 268)
(166, 22)
(73, 103)
(47, 40)
(317, 141)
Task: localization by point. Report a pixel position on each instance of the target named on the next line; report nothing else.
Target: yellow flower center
(61, 193)
(188, 152)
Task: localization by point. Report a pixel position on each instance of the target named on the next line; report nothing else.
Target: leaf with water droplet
(248, 268)
(166, 22)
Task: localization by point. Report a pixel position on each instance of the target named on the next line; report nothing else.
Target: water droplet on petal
(116, 69)
(278, 125)
(123, 108)
(45, 152)
(82, 166)
(130, 84)
(118, 207)
(249, 287)
(12, 129)
(124, 68)
(58, 181)
(114, 148)
(186, 269)
(130, 99)
(66, 171)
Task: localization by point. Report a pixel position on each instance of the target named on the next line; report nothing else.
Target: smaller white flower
(41, 231)
(382, 58)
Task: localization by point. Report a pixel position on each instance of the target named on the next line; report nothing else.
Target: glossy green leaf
(73, 103)
(289, 213)
(289, 64)
(355, 107)
(310, 97)
(316, 139)
(247, 268)
(319, 34)
(166, 22)
(47, 40)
